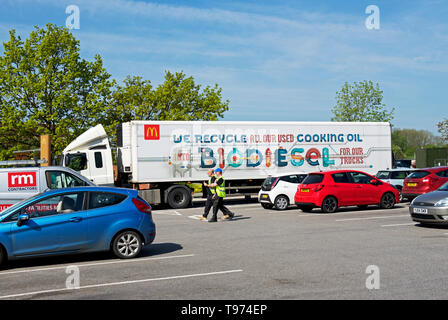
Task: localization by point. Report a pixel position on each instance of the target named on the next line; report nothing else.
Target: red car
(333, 189)
(423, 181)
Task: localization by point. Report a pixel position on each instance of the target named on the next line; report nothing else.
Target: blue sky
(275, 60)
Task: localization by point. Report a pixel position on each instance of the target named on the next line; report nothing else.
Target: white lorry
(161, 158)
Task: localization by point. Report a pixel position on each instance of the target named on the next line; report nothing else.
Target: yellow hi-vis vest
(221, 189)
(212, 190)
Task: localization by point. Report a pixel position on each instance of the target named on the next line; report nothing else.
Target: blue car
(75, 220)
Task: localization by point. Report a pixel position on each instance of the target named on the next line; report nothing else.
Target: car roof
(286, 174)
(399, 169)
(433, 169)
(337, 171)
(90, 189)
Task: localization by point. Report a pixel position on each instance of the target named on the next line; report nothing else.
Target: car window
(313, 178)
(340, 177)
(62, 179)
(50, 206)
(443, 174)
(301, 177)
(268, 182)
(383, 175)
(104, 199)
(359, 177)
(444, 187)
(398, 174)
(418, 174)
(290, 178)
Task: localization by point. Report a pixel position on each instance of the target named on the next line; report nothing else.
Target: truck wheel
(127, 245)
(281, 203)
(179, 198)
(329, 205)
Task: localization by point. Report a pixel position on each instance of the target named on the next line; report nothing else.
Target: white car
(395, 177)
(278, 191)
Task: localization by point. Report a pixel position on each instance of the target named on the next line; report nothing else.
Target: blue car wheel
(127, 245)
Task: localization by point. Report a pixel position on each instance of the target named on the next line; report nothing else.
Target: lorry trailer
(163, 158)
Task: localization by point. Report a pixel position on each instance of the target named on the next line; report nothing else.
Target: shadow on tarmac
(154, 249)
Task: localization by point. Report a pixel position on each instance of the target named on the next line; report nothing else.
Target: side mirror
(375, 182)
(23, 218)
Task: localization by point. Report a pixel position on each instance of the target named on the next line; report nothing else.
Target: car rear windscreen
(313, 178)
(418, 174)
(383, 175)
(267, 184)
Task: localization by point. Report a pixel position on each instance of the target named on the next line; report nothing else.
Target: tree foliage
(406, 141)
(361, 101)
(47, 88)
(443, 129)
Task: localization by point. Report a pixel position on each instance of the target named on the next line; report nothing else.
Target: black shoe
(213, 220)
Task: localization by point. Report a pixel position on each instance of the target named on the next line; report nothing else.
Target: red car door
(367, 193)
(344, 190)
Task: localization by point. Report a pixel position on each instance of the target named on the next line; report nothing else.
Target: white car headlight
(442, 203)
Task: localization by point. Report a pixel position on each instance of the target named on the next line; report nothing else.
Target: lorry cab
(90, 154)
(17, 184)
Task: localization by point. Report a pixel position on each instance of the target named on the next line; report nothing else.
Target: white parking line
(399, 224)
(118, 283)
(94, 264)
(372, 218)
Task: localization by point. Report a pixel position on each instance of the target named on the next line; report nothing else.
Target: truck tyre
(179, 198)
(281, 202)
(127, 245)
(387, 201)
(329, 205)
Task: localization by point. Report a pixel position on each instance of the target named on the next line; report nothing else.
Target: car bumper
(408, 195)
(306, 204)
(436, 215)
(264, 198)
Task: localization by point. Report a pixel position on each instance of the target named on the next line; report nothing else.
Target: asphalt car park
(260, 254)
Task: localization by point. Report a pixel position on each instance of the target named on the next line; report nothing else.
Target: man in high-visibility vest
(220, 194)
(210, 193)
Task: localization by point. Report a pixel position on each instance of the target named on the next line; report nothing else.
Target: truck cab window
(77, 161)
(98, 159)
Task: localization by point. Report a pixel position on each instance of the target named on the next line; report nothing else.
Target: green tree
(177, 98)
(361, 101)
(407, 141)
(47, 88)
(443, 129)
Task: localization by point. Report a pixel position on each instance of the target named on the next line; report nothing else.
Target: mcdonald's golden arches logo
(152, 132)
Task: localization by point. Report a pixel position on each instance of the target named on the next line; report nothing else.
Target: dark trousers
(219, 205)
(208, 205)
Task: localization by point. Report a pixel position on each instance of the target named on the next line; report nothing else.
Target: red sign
(21, 179)
(152, 132)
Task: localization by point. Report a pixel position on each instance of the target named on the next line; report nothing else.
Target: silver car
(432, 207)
